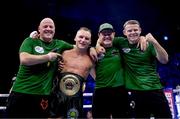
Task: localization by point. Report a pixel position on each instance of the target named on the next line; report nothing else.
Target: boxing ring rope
(177, 98)
(4, 95)
(84, 94)
(87, 95)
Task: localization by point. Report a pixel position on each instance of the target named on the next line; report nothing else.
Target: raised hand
(34, 35)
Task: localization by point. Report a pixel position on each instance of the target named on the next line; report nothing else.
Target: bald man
(30, 93)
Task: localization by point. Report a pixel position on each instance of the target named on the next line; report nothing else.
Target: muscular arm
(92, 50)
(161, 53)
(93, 72)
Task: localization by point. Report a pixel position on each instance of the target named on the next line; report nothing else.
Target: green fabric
(140, 66)
(105, 26)
(109, 71)
(37, 79)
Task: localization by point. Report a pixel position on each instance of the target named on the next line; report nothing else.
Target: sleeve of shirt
(65, 46)
(26, 45)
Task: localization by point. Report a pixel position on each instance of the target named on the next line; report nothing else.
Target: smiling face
(47, 29)
(107, 36)
(132, 31)
(83, 38)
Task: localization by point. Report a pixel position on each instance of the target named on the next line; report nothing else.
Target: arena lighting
(166, 38)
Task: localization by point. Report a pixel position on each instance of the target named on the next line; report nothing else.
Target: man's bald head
(46, 20)
(46, 29)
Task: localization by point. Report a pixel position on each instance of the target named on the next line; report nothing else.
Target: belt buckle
(69, 84)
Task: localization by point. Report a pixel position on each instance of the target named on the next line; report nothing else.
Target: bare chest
(75, 63)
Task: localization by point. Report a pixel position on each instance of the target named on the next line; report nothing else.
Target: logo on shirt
(72, 113)
(39, 49)
(44, 104)
(126, 50)
(115, 52)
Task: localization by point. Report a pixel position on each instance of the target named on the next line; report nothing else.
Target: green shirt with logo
(109, 71)
(37, 79)
(139, 66)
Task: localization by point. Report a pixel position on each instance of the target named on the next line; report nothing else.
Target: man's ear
(39, 29)
(114, 33)
(140, 30)
(124, 32)
(75, 37)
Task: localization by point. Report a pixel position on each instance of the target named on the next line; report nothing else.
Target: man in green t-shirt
(31, 89)
(110, 99)
(141, 77)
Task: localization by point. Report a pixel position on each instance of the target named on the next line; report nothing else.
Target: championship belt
(69, 84)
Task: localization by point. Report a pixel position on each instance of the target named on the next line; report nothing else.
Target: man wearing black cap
(110, 96)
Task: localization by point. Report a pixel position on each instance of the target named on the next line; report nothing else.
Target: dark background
(20, 17)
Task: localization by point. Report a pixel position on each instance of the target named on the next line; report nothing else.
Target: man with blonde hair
(67, 94)
(141, 77)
